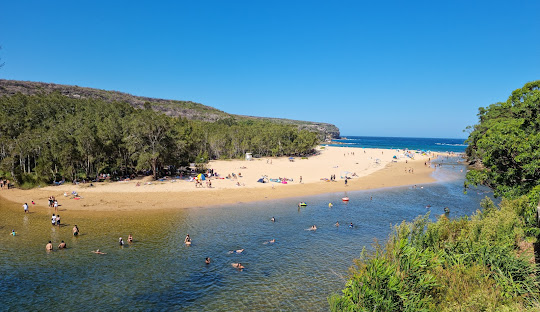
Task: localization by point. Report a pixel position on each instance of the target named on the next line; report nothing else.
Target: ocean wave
(448, 144)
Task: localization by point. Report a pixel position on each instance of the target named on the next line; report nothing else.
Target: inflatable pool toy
(302, 204)
(345, 199)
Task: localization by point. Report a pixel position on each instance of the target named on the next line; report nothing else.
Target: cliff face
(186, 109)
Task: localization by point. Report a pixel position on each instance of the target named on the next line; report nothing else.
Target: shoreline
(126, 196)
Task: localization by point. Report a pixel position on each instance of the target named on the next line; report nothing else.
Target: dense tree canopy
(506, 143)
(53, 137)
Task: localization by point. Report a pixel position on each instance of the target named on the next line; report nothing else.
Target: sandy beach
(367, 168)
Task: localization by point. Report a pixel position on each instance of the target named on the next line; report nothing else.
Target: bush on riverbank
(479, 263)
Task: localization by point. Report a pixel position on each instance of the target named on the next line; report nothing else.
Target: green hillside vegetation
(485, 262)
(187, 109)
(51, 137)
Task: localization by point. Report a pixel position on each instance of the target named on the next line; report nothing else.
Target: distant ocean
(424, 144)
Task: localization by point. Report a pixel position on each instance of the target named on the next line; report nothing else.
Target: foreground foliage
(479, 263)
(45, 138)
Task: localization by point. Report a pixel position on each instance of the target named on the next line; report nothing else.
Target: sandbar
(368, 169)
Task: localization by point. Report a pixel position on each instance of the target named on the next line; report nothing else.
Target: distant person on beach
(49, 246)
(25, 206)
(75, 230)
(58, 220)
(99, 252)
(62, 245)
(237, 265)
(207, 260)
(53, 219)
(345, 181)
(13, 232)
(130, 238)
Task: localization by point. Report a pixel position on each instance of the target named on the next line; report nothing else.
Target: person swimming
(99, 252)
(273, 219)
(187, 240)
(207, 260)
(49, 246)
(237, 251)
(62, 245)
(237, 265)
(130, 239)
(337, 223)
(312, 228)
(273, 240)
(351, 225)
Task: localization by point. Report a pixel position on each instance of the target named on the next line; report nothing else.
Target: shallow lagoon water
(158, 272)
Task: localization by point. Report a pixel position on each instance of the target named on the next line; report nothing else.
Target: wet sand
(374, 168)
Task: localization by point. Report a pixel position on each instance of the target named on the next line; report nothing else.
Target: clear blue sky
(386, 68)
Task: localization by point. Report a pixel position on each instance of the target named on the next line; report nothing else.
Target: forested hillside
(51, 137)
(186, 109)
(484, 262)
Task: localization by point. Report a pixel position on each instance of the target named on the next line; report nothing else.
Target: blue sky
(384, 68)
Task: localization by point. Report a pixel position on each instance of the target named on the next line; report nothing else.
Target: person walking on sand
(25, 206)
(56, 206)
(58, 220)
(53, 219)
(49, 246)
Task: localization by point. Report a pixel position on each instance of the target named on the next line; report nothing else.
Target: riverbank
(367, 169)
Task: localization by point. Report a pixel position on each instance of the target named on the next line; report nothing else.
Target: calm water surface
(158, 272)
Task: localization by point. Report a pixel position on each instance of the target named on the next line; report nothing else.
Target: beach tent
(201, 177)
(261, 180)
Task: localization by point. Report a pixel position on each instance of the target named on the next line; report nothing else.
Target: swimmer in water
(207, 260)
(351, 225)
(312, 228)
(273, 219)
(75, 230)
(270, 241)
(62, 245)
(130, 239)
(49, 246)
(330, 205)
(187, 240)
(99, 252)
(237, 251)
(121, 241)
(237, 265)
(337, 223)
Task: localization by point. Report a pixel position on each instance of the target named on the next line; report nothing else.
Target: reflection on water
(158, 272)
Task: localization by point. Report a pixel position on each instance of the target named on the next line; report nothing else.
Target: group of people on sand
(5, 184)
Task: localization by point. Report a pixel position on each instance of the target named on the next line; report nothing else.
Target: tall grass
(466, 264)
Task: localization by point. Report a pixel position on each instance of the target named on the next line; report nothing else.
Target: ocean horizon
(411, 143)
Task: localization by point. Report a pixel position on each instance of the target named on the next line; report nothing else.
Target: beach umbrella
(291, 157)
(201, 177)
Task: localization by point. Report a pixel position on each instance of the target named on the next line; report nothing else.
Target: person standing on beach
(25, 206)
(345, 181)
(53, 219)
(300, 179)
(58, 220)
(55, 206)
